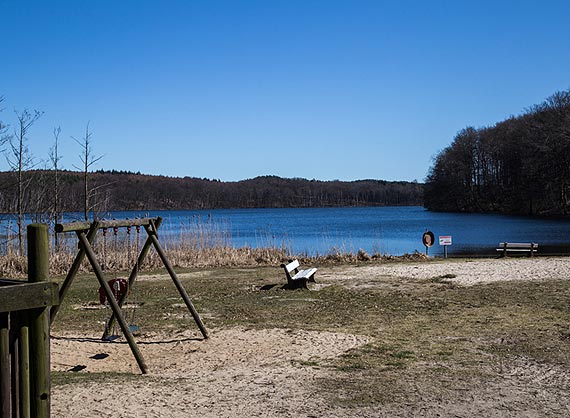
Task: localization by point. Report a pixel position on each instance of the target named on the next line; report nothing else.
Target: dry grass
(196, 244)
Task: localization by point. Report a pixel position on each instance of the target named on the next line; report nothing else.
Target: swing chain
(104, 249)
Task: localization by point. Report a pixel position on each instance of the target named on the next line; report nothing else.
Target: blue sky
(236, 89)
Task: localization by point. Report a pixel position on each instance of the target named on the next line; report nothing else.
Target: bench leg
(297, 284)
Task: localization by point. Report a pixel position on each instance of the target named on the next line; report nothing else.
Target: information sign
(445, 240)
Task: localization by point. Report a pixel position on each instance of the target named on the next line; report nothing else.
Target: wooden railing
(25, 334)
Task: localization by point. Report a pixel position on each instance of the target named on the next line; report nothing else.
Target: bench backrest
(518, 245)
(291, 266)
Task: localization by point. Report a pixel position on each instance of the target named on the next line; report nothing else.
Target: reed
(194, 243)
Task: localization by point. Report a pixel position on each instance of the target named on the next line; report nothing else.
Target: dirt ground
(241, 372)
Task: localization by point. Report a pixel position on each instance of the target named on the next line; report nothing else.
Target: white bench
(529, 247)
(299, 277)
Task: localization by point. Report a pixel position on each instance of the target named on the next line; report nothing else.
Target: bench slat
(518, 244)
(517, 249)
(304, 274)
(512, 247)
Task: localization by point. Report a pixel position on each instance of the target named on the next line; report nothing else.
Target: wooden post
(112, 301)
(152, 235)
(38, 271)
(5, 380)
(72, 273)
(24, 366)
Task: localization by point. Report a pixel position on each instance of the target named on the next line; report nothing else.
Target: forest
(519, 166)
(119, 190)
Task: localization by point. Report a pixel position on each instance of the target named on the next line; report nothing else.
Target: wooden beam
(28, 296)
(132, 277)
(114, 223)
(112, 301)
(153, 236)
(39, 338)
(72, 272)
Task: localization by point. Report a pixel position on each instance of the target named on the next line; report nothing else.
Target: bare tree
(20, 159)
(55, 158)
(88, 160)
(4, 135)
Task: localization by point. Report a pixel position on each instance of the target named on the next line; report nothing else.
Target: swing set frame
(86, 233)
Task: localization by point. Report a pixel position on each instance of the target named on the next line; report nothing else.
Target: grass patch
(426, 337)
(72, 378)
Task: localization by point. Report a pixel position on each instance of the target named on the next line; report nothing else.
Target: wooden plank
(113, 223)
(292, 265)
(526, 250)
(305, 274)
(15, 355)
(28, 296)
(5, 379)
(24, 365)
(10, 282)
(518, 244)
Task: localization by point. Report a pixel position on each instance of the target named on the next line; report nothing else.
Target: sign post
(445, 240)
(428, 238)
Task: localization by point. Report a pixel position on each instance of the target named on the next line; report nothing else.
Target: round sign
(428, 238)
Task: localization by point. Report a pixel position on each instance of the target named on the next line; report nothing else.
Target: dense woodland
(115, 190)
(517, 166)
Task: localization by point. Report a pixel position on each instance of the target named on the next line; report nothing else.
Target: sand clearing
(466, 273)
(246, 373)
(237, 372)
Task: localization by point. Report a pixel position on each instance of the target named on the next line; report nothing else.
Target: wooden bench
(529, 247)
(299, 277)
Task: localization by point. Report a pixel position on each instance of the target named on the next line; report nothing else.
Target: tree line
(120, 190)
(518, 166)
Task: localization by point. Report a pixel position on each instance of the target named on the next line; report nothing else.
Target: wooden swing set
(86, 233)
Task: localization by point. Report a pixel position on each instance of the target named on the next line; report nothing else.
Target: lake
(385, 230)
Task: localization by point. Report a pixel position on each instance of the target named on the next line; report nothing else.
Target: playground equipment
(24, 334)
(86, 232)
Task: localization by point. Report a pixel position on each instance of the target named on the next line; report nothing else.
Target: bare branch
(88, 160)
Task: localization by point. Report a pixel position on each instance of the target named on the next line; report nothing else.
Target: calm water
(387, 230)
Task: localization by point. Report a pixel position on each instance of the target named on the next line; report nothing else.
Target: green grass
(425, 334)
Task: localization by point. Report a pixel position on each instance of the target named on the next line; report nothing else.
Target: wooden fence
(25, 334)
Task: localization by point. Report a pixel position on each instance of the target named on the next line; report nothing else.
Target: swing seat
(135, 330)
(111, 338)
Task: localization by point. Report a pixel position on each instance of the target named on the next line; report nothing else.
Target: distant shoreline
(117, 191)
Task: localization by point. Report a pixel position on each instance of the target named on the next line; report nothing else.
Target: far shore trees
(138, 192)
(518, 166)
